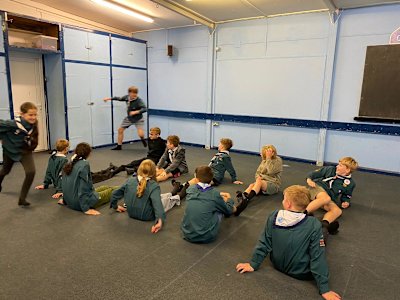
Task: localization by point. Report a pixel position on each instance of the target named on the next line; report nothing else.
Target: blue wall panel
(4, 100)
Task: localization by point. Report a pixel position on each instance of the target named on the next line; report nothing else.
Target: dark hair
(204, 174)
(133, 89)
(174, 140)
(82, 151)
(34, 136)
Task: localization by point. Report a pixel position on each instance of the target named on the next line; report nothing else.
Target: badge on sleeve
(321, 243)
(346, 181)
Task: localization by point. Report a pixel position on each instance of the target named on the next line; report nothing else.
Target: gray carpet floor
(51, 252)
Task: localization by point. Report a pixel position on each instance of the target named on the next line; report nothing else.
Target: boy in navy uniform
(55, 165)
(294, 242)
(135, 110)
(156, 149)
(331, 188)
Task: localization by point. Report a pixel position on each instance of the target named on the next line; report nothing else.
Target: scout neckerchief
(330, 180)
(22, 128)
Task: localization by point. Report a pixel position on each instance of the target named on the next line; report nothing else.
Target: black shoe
(130, 171)
(241, 206)
(239, 194)
(182, 193)
(333, 228)
(1, 188)
(176, 187)
(23, 203)
(144, 143)
(112, 166)
(118, 147)
(124, 205)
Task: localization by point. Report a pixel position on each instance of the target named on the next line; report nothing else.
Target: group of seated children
(294, 238)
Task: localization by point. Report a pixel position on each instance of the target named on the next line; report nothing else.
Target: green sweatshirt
(270, 170)
(220, 163)
(203, 213)
(339, 188)
(13, 138)
(146, 208)
(78, 190)
(53, 175)
(296, 247)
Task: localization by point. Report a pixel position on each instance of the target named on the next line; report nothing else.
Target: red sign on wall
(395, 37)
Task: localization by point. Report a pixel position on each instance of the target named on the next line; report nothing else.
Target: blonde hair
(61, 145)
(147, 169)
(133, 89)
(267, 147)
(156, 130)
(227, 143)
(349, 162)
(299, 195)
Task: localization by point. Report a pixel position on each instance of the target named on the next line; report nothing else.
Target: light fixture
(123, 10)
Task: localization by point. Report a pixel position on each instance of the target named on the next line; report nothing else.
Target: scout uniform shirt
(133, 105)
(173, 160)
(15, 137)
(54, 170)
(220, 163)
(78, 190)
(270, 170)
(296, 247)
(146, 208)
(335, 185)
(204, 210)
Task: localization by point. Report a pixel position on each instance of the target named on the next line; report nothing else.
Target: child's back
(55, 165)
(204, 209)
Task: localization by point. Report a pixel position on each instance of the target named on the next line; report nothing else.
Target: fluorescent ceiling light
(123, 10)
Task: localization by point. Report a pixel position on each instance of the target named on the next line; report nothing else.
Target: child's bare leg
(320, 201)
(140, 133)
(120, 135)
(159, 172)
(164, 177)
(193, 181)
(250, 187)
(332, 212)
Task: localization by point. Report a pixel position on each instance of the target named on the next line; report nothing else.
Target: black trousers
(29, 167)
(133, 164)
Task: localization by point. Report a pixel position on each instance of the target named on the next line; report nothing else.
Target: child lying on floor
(294, 242)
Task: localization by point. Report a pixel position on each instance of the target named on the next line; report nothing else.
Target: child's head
(268, 152)
(154, 133)
(62, 145)
(82, 151)
(346, 166)
(147, 170)
(29, 112)
(133, 92)
(296, 198)
(225, 144)
(172, 142)
(204, 174)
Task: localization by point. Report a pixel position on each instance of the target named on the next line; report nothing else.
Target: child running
(19, 138)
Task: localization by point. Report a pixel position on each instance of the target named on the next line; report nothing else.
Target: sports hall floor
(51, 252)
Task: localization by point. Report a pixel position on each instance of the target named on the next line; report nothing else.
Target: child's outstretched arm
(116, 195)
(159, 212)
(231, 170)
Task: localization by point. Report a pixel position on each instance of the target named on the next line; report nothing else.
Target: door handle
(215, 124)
(90, 103)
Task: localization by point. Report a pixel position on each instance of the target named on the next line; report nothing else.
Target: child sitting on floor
(294, 242)
(268, 176)
(173, 162)
(331, 188)
(55, 165)
(142, 196)
(205, 208)
(219, 164)
(78, 191)
(156, 149)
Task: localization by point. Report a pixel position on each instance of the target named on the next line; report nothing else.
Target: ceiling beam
(186, 12)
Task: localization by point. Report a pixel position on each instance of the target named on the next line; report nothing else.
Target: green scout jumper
(133, 105)
(14, 139)
(78, 191)
(335, 185)
(220, 163)
(146, 208)
(296, 247)
(53, 175)
(204, 210)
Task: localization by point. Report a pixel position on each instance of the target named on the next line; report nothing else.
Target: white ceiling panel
(360, 3)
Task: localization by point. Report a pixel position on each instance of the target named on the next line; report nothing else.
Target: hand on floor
(121, 209)
(92, 212)
(57, 195)
(311, 183)
(225, 196)
(238, 182)
(345, 204)
(39, 187)
(331, 295)
(244, 268)
(157, 227)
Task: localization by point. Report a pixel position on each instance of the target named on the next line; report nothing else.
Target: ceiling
(214, 10)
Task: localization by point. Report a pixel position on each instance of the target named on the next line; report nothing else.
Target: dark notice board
(380, 95)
